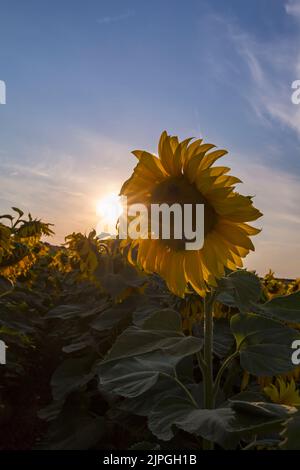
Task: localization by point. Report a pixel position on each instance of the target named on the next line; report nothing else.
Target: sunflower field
(141, 344)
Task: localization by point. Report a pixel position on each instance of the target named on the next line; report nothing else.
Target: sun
(108, 210)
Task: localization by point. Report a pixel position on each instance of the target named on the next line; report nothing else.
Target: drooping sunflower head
(283, 392)
(183, 173)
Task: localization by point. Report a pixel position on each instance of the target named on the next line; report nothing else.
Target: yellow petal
(152, 163)
(193, 271)
(210, 158)
(165, 153)
(191, 151)
(234, 235)
(249, 229)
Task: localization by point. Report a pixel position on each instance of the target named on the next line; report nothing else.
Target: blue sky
(88, 81)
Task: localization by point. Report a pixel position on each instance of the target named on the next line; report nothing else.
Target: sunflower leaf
(173, 411)
(223, 339)
(226, 425)
(264, 344)
(291, 433)
(239, 289)
(73, 431)
(16, 209)
(149, 338)
(285, 308)
(131, 377)
(72, 374)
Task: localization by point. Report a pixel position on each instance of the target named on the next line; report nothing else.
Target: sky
(89, 81)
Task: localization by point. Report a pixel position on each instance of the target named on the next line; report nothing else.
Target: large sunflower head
(183, 173)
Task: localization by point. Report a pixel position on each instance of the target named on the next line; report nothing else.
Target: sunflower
(183, 173)
(191, 311)
(283, 392)
(273, 287)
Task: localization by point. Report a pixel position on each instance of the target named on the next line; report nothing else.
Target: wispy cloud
(292, 7)
(272, 67)
(277, 196)
(270, 93)
(63, 187)
(115, 19)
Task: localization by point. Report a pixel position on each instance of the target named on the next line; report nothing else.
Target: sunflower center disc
(177, 190)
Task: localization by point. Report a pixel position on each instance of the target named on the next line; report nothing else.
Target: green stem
(201, 364)
(208, 359)
(221, 371)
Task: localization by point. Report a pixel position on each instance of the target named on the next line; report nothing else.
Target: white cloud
(272, 66)
(115, 19)
(62, 187)
(292, 7)
(278, 198)
(270, 92)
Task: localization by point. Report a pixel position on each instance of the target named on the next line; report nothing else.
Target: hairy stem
(208, 359)
(201, 364)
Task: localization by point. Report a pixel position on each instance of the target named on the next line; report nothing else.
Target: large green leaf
(286, 308)
(242, 289)
(133, 376)
(223, 339)
(143, 404)
(70, 375)
(264, 344)
(79, 344)
(51, 411)
(265, 413)
(291, 433)
(239, 289)
(173, 411)
(73, 431)
(134, 305)
(140, 357)
(258, 419)
(112, 316)
(70, 311)
(163, 319)
(134, 340)
(12, 318)
(226, 426)
(116, 283)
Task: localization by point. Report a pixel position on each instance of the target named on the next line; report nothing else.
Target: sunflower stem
(201, 364)
(209, 401)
